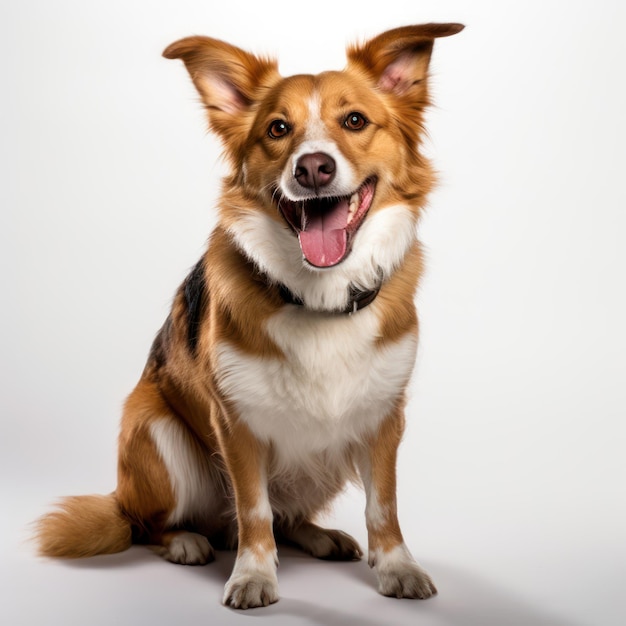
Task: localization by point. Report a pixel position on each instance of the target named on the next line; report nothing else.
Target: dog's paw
(409, 582)
(334, 545)
(253, 581)
(186, 549)
(323, 543)
(248, 593)
(400, 576)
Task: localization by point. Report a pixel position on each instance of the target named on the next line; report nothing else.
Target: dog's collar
(358, 299)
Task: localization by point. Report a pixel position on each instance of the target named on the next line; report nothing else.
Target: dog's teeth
(302, 217)
(354, 205)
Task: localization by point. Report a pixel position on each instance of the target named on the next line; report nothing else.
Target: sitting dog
(281, 371)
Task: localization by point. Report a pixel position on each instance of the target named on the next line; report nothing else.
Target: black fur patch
(196, 299)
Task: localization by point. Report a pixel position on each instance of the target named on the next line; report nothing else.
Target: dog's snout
(315, 170)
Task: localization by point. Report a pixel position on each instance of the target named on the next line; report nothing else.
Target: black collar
(358, 299)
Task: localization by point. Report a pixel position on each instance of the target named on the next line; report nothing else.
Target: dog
(281, 371)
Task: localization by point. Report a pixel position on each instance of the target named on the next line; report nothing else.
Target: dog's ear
(398, 59)
(227, 78)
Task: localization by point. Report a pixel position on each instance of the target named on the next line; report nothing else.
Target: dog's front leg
(398, 573)
(253, 581)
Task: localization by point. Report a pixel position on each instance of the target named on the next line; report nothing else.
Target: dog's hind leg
(166, 485)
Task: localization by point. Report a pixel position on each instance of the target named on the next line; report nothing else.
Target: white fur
(378, 248)
(315, 127)
(190, 476)
(375, 513)
(253, 581)
(333, 387)
(399, 574)
(262, 511)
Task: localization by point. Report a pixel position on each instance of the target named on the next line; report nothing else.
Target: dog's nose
(315, 170)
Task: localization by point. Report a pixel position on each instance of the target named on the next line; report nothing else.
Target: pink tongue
(324, 243)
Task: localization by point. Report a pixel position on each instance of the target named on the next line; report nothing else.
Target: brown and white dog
(280, 373)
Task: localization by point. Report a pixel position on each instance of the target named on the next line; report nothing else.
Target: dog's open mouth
(326, 226)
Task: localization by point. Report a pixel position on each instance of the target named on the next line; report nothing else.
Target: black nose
(316, 170)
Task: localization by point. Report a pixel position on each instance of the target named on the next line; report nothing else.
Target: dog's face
(321, 151)
(326, 168)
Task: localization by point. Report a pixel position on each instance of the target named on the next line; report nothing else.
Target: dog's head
(327, 174)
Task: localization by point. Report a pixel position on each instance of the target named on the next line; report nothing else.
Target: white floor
(487, 575)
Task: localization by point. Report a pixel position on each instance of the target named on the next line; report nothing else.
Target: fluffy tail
(84, 526)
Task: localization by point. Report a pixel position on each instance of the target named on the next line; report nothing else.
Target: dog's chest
(333, 386)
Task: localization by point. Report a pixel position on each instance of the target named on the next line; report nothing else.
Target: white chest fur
(334, 385)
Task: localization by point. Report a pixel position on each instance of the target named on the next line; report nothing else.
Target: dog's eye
(355, 121)
(278, 129)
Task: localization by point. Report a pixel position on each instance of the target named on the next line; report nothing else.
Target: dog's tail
(83, 526)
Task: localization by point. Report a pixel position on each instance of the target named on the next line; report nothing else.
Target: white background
(512, 471)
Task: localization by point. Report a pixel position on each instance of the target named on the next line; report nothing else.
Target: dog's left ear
(398, 59)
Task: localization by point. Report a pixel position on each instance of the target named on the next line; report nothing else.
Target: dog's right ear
(227, 78)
